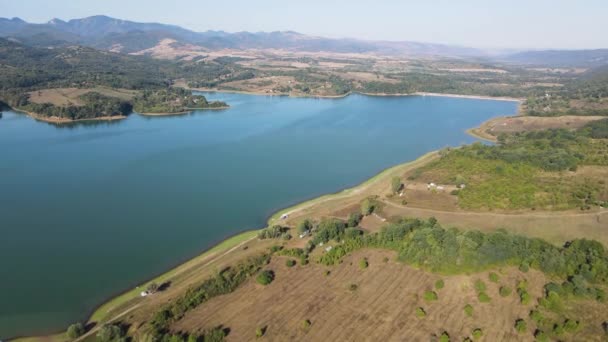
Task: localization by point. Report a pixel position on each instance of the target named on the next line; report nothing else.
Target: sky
(536, 24)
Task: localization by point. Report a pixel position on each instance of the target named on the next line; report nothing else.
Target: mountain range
(106, 33)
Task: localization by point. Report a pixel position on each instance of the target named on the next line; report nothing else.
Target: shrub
(477, 333)
(272, 232)
(445, 337)
(571, 325)
(110, 333)
(353, 287)
(260, 331)
(439, 284)
(367, 207)
(306, 324)
(504, 291)
(265, 277)
(605, 327)
(290, 263)
(396, 184)
(468, 310)
(541, 336)
(385, 259)
(494, 277)
(304, 226)
(354, 219)
(363, 263)
(75, 330)
(558, 329)
(524, 267)
(327, 272)
(480, 286)
(483, 297)
(536, 316)
(430, 296)
(420, 312)
(524, 296)
(521, 326)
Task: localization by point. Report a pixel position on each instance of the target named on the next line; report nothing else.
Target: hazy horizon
(517, 24)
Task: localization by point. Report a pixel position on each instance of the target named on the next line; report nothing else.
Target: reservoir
(91, 209)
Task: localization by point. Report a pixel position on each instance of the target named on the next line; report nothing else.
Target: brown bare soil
(67, 96)
(382, 308)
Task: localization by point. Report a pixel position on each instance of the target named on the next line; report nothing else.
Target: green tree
(494, 277)
(367, 207)
(477, 333)
(521, 326)
(445, 337)
(152, 287)
(304, 226)
(363, 263)
(420, 312)
(265, 277)
(111, 333)
(504, 291)
(354, 219)
(75, 330)
(396, 184)
(439, 284)
(290, 263)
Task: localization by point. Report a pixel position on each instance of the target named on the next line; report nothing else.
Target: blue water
(89, 210)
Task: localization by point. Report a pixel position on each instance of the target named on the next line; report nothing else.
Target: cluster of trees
(171, 100)
(508, 175)
(224, 282)
(273, 232)
(427, 245)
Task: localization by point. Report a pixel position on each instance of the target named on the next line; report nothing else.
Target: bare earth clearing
(65, 96)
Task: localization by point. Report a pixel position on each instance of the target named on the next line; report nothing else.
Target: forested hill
(24, 69)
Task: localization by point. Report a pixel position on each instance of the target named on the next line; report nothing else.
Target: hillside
(110, 33)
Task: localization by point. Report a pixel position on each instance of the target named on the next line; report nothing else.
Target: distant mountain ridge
(105, 32)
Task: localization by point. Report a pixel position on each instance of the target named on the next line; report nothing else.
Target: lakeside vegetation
(172, 100)
(581, 266)
(526, 170)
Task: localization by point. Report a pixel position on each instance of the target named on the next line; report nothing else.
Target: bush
(75, 330)
(265, 277)
(111, 333)
(483, 297)
(290, 263)
(521, 326)
(536, 316)
(494, 277)
(353, 287)
(273, 232)
(430, 296)
(480, 286)
(571, 325)
(504, 291)
(363, 264)
(260, 331)
(420, 312)
(396, 184)
(558, 329)
(445, 337)
(541, 336)
(468, 310)
(304, 226)
(524, 296)
(354, 219)
(439, 284)
(306, 324)
(327, 272)
(477, 333)
(367, 207)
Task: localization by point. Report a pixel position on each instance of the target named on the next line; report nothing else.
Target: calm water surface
(90, 210)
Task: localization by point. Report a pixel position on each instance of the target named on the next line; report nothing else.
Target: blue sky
(476, 23)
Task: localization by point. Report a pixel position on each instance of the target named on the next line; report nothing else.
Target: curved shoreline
(228, 244)
(462, 96)
(187, 111)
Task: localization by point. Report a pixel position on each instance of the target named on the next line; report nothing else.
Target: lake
(89, 210)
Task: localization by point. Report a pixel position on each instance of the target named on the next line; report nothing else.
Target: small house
(284, 216)
(144, 293)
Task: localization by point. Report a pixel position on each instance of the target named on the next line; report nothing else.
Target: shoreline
(189, 110)
(58, 120)
(259, 93)
(230, 243)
